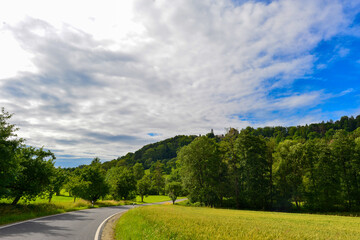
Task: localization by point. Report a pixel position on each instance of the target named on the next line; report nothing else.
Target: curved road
(77, 225)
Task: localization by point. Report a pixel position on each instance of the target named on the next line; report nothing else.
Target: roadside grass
(179, 222)
(42, 207)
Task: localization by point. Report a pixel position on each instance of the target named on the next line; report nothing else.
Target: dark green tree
(9, 146)
(138, 170)
(34, 175)
(157, 177)
(93, 179)
(200, 166)
(122, 182)
(254, 169)
(143, 186)
(173, 189)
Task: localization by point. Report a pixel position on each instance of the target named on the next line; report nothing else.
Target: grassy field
(179, 222)
(153, 198)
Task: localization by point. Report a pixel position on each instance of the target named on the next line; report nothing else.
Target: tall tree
(94, 186)
(343, 150)
(289, 173)
(254, 169)
(200, 165)
(157, 177)
(138, 170)
(231, 159)
(143, 186)
(9, 146)
(122, 182)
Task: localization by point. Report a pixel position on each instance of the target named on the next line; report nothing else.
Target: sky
(89, 79)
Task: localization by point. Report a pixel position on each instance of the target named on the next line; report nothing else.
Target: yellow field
(178, 222)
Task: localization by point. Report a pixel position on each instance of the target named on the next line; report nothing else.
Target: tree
(254, 169)
(321, 177)
(93, 182)
(343, 149)
(9, 147)
(288, 173)
(76, 185)
(173, 190)
(138, 170)
(200, 166)
(34, 174)
(157, 178)
(122, 182)
(231, 159)
(56, 182)
(143, 186)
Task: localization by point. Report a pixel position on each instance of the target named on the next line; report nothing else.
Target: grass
(153, 198)
(179, 222)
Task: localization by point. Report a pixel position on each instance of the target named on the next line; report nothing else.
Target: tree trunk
(16, 200)
(237, 193)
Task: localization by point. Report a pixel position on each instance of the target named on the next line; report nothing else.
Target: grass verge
(178, 222)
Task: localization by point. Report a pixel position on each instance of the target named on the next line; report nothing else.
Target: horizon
(101, 79)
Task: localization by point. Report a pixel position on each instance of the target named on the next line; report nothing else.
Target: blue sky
(92, 79)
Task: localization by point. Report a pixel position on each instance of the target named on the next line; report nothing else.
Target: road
(77, 225)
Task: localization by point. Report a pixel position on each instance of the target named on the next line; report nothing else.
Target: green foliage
(89, 182)
(157, 178)
(254, 170)
(34, 174)
(9, 146)
(200, 167)
(139, 171)
(57, 180)
(122, 182)
(143, 186)
(163, 151)
(174, 190)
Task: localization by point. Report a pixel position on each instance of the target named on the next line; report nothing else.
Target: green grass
(179, 222)
(153, 199)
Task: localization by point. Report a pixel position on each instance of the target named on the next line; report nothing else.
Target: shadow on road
(43, 225)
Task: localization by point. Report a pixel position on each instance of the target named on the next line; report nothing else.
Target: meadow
(180, 222)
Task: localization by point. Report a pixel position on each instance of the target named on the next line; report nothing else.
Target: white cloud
(110, 74)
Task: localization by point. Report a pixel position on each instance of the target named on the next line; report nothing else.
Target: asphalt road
(78, 225)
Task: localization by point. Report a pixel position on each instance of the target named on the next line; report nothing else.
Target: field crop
(178, 222)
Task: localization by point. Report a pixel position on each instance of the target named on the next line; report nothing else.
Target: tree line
(246, 170)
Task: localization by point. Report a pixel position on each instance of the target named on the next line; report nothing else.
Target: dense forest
(314, 167)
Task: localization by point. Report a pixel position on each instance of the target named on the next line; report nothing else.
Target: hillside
(164, 151)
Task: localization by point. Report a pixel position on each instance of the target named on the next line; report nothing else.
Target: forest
(314, 167)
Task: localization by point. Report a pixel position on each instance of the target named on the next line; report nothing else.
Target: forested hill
(315, 130)
(164, 151)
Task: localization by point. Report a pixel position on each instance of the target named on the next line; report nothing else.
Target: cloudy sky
(103, 78)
